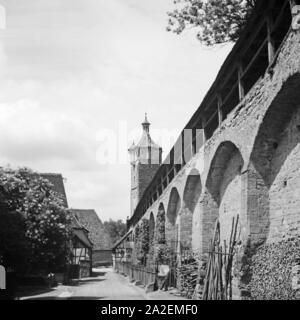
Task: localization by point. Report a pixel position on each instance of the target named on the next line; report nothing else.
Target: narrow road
(106, 285)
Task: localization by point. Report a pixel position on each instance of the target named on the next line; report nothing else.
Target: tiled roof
(79, 230)
(81, 235)
(146, 141)
(97, 234)
(58, 184)
(75, 224)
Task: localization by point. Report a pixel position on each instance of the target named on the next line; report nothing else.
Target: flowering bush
(43, 222)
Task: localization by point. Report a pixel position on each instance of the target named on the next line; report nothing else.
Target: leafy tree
(145, 236)
(215, 21)
(36, 213)
(137, 244)
(115, 229)
(160, 233)
(162, 250)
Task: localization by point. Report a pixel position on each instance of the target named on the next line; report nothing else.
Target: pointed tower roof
(146, 123)
(146, 140)
(132, 147)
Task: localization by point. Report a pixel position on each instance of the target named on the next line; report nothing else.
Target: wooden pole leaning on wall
(203, 120)
(240, 81)
(218, 279)
(220, 111)
(271, 45)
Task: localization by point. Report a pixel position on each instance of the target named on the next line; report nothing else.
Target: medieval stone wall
(230, 195)
(285, 182)
(250, 167)
(145, 174)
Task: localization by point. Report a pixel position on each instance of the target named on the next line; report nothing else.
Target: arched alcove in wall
(191, 195)
(222, 198)
(160, 226)
(274, 169)
(172, 225)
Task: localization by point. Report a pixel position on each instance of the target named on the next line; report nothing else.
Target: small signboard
(163, 270)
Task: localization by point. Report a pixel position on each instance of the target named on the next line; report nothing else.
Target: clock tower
(145, 159)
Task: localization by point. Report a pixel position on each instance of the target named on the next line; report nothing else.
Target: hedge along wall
(141, 242)
(144, 241)
(161, 248)
(275, 271)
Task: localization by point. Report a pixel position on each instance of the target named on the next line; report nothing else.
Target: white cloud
(71, 68)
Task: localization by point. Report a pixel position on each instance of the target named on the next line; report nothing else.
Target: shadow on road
(98, 273)
(86, 281)
(69, 298)
(30, 291)
(90, 281)
(85, 298)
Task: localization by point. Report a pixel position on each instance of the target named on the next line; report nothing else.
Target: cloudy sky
(73, 70)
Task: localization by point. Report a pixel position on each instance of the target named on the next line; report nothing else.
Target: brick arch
(172, 225)
(191, 195)
(212, 148)
(273, 186)
(192, 189)
(222, 196)
(173, 206)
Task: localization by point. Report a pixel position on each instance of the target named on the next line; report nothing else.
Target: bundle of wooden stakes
(218, 279)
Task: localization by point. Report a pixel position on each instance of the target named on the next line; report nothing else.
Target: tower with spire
(145, 159)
